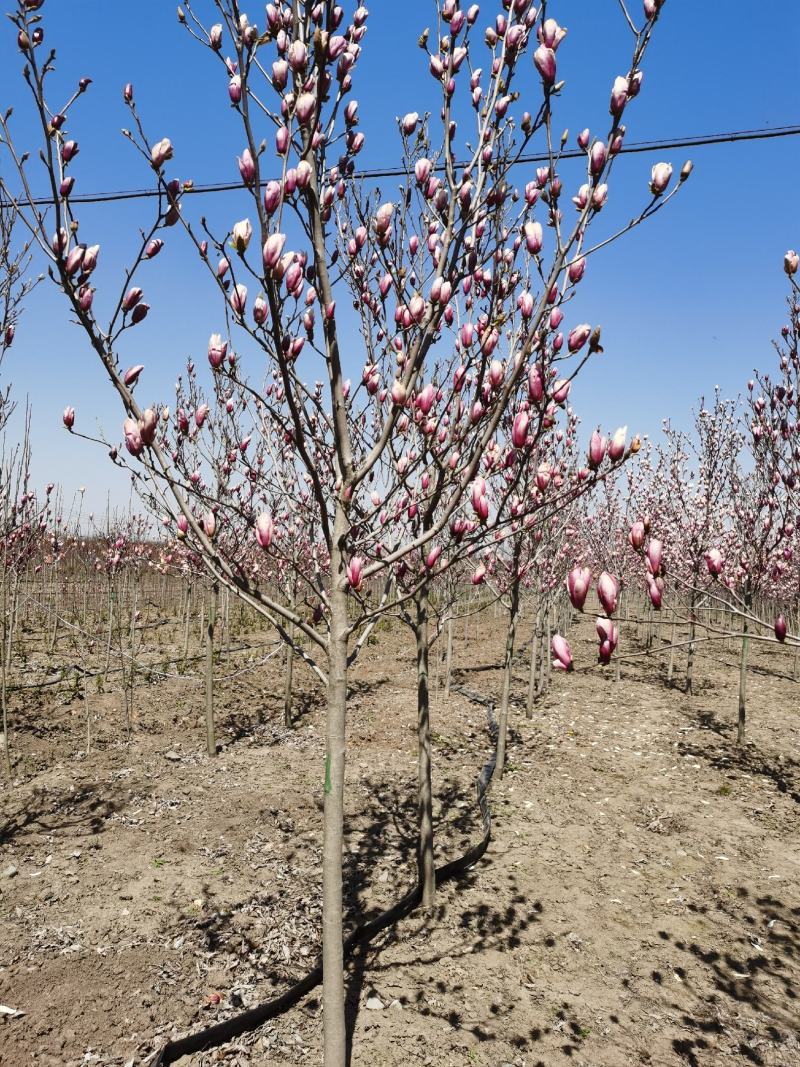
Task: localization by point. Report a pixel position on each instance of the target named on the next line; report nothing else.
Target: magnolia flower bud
(637, 535)
(242, 233)
(519, 432)
(247, 167)
(238, 299)
(576, 270)
(544, 59)
(608, 592)
(660, 178)
(354, 572)
(217, 350)
(148, 424)
(74, 260)
(579, 581)
(791, 262)
(619, 97)
(562, 653)
(131, 375)
(260, 310)
(578, 337)
(714, 562)
(265, 530)
(616, 446)
(132, 298)
(160, 153)
(533, 237)
(273, 247)
(133, 438)
(69, 417)
(409, 122)
(479, 574)
(654, 554)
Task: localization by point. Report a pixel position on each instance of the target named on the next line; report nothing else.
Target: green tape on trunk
(328, 773)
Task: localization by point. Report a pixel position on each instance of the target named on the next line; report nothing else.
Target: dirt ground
(639, 902)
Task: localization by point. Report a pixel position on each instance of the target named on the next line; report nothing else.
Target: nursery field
(399, 535)
(639, 902)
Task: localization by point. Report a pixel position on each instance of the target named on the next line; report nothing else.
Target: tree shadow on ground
(758, 969)
(387, 836)
(715, 744)
(263, 722)
(62, 811)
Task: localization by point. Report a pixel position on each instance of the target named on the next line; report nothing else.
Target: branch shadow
(61, 811)
(386, 836)
(759, 970)
(716, 746)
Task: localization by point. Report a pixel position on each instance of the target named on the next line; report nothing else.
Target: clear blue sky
(689, 301)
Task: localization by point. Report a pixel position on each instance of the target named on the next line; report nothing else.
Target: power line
(634, 148)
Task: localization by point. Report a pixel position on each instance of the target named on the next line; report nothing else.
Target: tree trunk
(109, 640)
(425, 864)
(186, 619)
(671, 664)
(211, 742)
(449, 663)
(333, 994)
(87, 711)
(287, 689)
(690, 656)
(508, 662)
(743, 674)
(537, 636)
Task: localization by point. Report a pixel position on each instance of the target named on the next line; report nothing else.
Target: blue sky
(690, 300)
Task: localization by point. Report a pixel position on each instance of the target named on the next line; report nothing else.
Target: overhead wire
(371, 174)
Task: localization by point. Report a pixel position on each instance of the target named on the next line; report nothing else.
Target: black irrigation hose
(248, 1020)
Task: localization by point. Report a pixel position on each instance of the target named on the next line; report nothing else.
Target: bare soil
(639, 903)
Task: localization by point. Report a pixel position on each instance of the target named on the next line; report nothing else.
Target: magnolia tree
(691, 504)
(453, 291)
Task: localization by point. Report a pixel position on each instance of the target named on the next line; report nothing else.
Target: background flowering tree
(15, 285)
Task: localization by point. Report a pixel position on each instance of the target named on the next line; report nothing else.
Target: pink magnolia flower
(616, 446)
(354, 571)
(265, 530)
(597, 449)
(544, 59)
(608, 633)
(273, 247)
(238, 299)
(161, 152)
(637, 535)
(519, 431)
(562, 653)
(655, 551)
(660, 178)
(133, 438)
(579, 581)
(714, 562)
(608, 592)
(217, 350)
